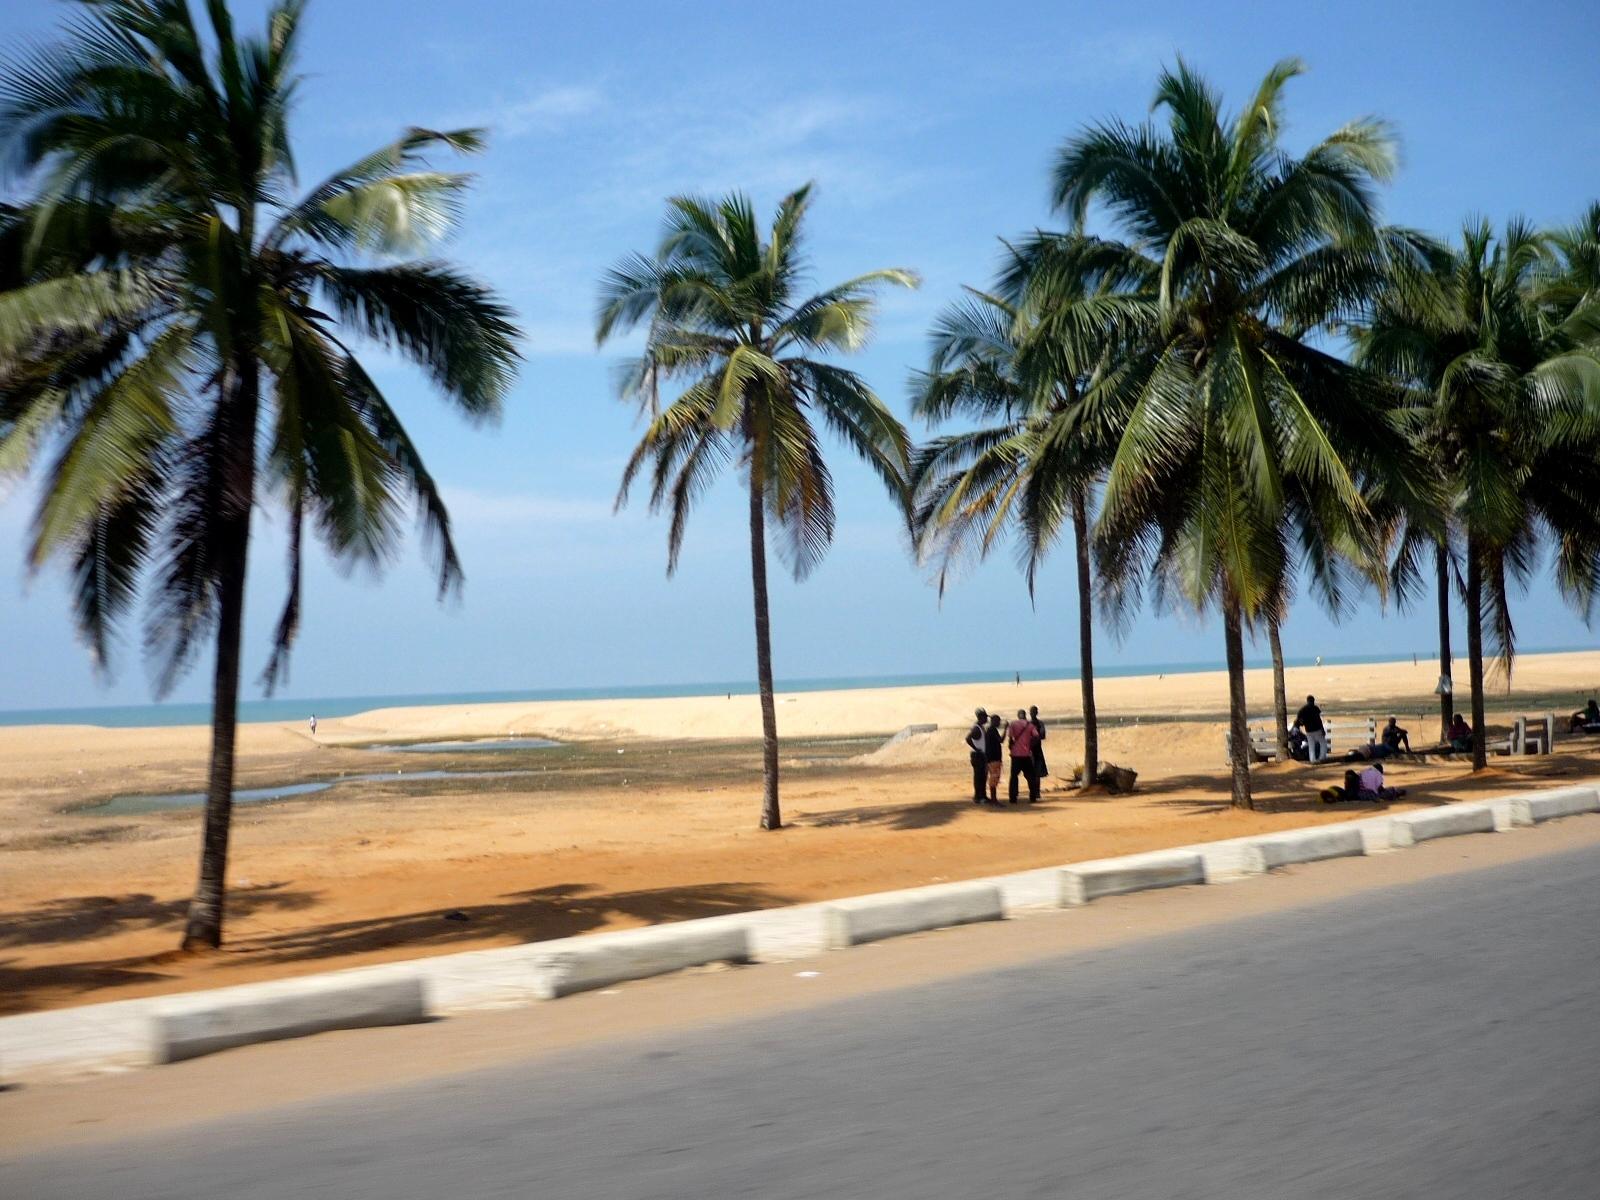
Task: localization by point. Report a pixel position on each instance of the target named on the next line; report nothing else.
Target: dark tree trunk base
(771, 813)
(1238, 723)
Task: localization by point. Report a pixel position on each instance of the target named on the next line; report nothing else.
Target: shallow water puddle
(156, 803)
(512, 743)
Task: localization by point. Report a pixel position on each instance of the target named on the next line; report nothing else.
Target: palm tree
(726, 315)
(1229, 413)
(176, 327)
(1512, 382)
(1023, 367)
(1574, 278)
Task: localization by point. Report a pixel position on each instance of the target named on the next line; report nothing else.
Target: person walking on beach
(1309, 721)
(1022, 740)
(313, 724)
(979, 761)
(993, 740)
(1040, 768)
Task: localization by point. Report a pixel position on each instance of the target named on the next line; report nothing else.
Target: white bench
(1264, 741)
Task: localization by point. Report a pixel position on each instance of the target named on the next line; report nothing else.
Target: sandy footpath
(648, 814)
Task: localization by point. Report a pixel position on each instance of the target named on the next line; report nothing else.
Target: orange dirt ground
(616, 832)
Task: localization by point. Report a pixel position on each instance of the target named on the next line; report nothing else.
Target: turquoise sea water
(299, 708)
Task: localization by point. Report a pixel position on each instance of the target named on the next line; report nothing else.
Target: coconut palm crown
(727, 319)
(177, 323)
(1509, 415)
(1020, 362)
(1230, 417)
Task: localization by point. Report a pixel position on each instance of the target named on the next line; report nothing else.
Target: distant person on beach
(1309, 719)
(993, 740)
(1019, 678)
(313, 724)
(976, 756)
(1460, 734)
(1022, 739)
(1040, 767)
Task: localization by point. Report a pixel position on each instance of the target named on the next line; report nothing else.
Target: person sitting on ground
(1298, 750)
(975, 755)
(1460, 736)
(1372, 787)
(1395, 739)
(1586, 721)
(992, 743)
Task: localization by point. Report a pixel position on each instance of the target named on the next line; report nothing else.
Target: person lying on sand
(1372, 785)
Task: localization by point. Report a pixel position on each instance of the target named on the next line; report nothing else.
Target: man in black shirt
(980, 763)
(1394, 738)
(1309, 719)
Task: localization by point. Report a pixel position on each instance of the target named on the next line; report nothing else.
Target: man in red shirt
(1023, 737)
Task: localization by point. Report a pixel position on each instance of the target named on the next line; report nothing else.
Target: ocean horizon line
(296, 708)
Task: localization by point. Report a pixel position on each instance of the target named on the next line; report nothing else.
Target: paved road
(1435, 1040)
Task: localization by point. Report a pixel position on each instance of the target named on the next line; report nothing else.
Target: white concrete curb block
(189, 1026)
(1028, 891)
(72, 1042)
(1565, 802)
(783, 934)
(1229, 861)
(1409, 828)
(1084, 882)
(477, 980)
(1311, 845)
(583, 963)
(888, 914)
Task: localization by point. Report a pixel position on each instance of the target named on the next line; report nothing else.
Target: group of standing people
(985, 742)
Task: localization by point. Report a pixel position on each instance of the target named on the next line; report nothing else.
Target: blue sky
(928, 129)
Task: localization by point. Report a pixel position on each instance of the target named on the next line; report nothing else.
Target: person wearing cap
(980, 764)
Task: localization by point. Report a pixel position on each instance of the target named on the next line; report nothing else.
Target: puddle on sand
(125, 805)
(510, 743)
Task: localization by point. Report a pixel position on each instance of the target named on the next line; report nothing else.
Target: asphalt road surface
(1440, 1039)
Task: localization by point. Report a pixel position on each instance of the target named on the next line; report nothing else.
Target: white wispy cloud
(470, 506)
(542, 110)
(1120, 54)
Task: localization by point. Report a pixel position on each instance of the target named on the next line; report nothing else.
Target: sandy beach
(645, 813)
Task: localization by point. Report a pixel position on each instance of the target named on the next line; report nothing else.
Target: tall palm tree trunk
(1446, 698)
(771, 815)
(203, 929)
(1480, 757)
(1091, 722)
(1238, 730)
(1280, 694)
